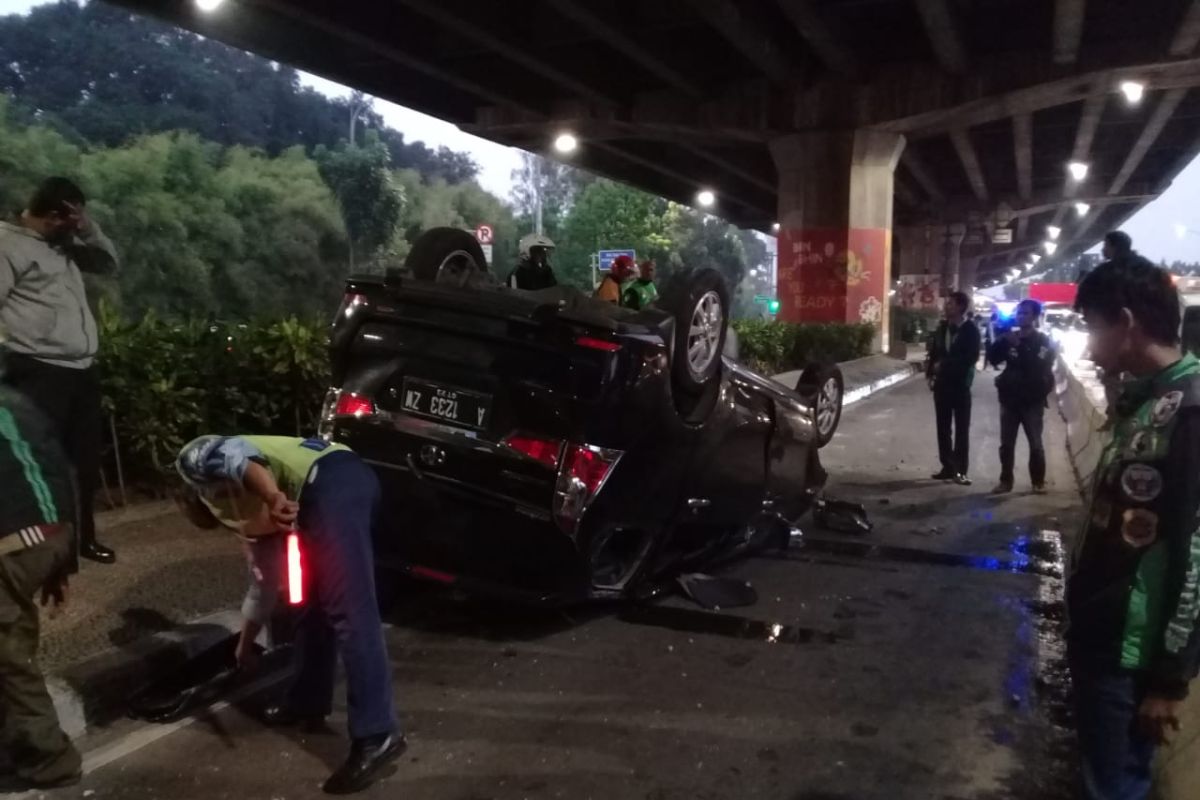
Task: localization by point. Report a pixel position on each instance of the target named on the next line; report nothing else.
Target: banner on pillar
(919, 292)
(833, 275)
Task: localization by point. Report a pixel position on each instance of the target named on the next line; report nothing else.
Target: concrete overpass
(834, 120)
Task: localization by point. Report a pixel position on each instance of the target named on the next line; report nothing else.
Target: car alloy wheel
(827, 406)
(456, 268)
(704, 335)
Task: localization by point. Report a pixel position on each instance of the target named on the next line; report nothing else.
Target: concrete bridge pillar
(835, 225)
(951, 255)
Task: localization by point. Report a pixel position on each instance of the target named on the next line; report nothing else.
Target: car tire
(699, 301)
(823, 387)
(446, 255)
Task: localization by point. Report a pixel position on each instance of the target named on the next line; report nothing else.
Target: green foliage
(101, 75)
(167, 382)
(609, 215)
(775, 347)
(370, 201)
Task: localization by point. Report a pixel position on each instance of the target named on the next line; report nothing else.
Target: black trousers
(70, 399)
(953, 408)
(1031, 418)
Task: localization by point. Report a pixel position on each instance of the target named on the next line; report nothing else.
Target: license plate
(457, 406)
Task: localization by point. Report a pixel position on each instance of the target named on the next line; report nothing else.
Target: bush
(164, 383)
(774, 347)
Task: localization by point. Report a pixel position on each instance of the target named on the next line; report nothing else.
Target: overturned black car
(552, 447)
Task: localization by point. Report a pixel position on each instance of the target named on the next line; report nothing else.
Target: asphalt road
(920, 661)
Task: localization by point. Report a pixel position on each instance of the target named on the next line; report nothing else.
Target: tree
(609, 215)
(546, 188)
(362, 183)
(101, 75)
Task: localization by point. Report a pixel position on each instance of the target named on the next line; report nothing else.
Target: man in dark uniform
(37, 553)
(1027, 356)
(950, 370)
(1133, 588)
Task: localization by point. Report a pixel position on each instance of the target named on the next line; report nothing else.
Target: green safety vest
(292, 459)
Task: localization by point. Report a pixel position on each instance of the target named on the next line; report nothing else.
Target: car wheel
(446, 255)
(699, 302)
(824, 388)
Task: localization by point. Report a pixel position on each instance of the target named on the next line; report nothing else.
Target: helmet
(622, 267)
(532, 240)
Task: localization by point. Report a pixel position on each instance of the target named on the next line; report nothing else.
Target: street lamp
(1133, 91)
(1053, 232)
(1078, 170)
(705, 198)
(775, 226)
(1082, 208)
(566, 142)
(209, 6)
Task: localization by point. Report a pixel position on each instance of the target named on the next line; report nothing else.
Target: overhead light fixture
(1078, 170)
(1050, 247)
(1133, 91)
(774, 226)
(208, 6)
(1082, 208)
(1053, 232)
(705, 198)
(1180, 230)
(566, 142)
(1035, 257)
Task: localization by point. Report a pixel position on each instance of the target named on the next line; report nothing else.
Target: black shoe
(97, 552)
(944, 475)
(283, 716)
(367, 757)
(962, 480)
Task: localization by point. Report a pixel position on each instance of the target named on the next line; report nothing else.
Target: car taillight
(593, 343)
(295, 570)
(583, 473)
(544, 451)
(350, 404)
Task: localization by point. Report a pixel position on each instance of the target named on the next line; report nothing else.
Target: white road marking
(150, 733)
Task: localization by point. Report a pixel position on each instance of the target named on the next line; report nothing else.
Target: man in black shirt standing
(950, 370)
(1027, 356)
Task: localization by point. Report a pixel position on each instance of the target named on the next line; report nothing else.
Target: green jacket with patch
(1133, 591)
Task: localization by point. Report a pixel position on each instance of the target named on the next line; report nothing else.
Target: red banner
(833, 275)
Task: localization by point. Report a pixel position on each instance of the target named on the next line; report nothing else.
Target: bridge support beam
(835, 225)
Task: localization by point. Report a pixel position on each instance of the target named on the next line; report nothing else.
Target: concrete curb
(894, 371)
(93, 691)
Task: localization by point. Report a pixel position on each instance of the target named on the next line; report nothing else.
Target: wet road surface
(919, 661)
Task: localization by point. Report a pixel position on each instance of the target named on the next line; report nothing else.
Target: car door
(727, 487)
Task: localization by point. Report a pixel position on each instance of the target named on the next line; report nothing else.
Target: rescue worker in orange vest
(610, 288)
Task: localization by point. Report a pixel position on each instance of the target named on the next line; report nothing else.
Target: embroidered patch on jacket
(1141, 483)
(1139, 527)
(1165, 407)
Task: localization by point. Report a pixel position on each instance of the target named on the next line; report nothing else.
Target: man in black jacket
(1027, 356)
(950, 370)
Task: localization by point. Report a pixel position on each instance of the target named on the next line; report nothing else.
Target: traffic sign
(487, 253)
(607, 257)
(762, 299)
(484, 234)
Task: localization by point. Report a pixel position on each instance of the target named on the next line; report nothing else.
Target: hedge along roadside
(165, 382)
(774, 347)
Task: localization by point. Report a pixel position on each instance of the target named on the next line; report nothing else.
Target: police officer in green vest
(37, 553)
(1133, 589)
(265, 486)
